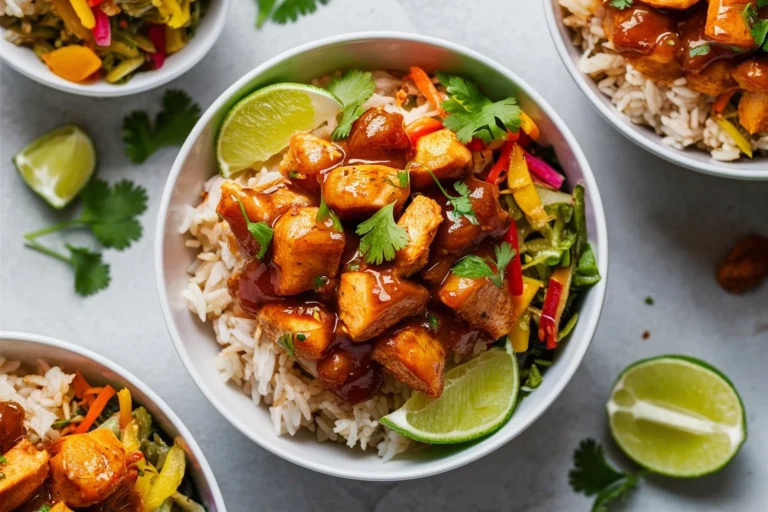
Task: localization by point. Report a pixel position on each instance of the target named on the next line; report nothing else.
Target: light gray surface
(667, 230)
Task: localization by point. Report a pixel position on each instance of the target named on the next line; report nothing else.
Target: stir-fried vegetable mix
(82, 40)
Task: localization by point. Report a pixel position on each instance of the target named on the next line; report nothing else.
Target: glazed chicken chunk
(87, 468)
(25, 469)
(304, 250)
(480, 303)
(414, 356)
(753, 112)
(371, 302)
(311, 326)
(420, 220)
(443, 154)
(356, 192)
(726, 24)
(377, 134)
(309, 156)
(752, 74)
(260, 205)
(715, 79)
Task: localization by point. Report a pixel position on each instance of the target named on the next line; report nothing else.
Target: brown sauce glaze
(12, 428)
(349, 372)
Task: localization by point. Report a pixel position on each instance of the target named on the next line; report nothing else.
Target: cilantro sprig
(287, 10)
(260, 231)
(111, 214)
(462, 205)
(475, 267)
(381, 236)
(352, 89)
(594, 476)
(621, 4)
(758, 27)
(172, 125)
(473, 114)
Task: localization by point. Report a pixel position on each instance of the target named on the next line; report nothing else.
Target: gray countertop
(668, 228)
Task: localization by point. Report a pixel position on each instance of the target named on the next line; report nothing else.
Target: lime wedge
(260, 125)
(58, 164)
(677, 416)
(478, 398)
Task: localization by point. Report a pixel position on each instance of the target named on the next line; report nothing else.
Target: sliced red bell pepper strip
(95, 409)
(427, 88)
(421, 127)
(554, 305)
(476, 145)
(498, 172)
(514, 269)
(723, 100)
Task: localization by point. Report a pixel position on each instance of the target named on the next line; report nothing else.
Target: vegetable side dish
(67, 445)
(696, 71)
(417, 229)
(82, 40)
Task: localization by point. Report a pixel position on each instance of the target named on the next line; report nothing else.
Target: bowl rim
(495, 441)
(610, 114)
(216, 15)
(189, 440)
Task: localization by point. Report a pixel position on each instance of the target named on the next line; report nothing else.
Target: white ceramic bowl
(745, 169)
(195, 341)
(24, 60)
(28, 348)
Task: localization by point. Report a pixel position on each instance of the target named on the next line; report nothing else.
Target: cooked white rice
(45, 395)
(22, 8)
(262, 368)
(680, 115)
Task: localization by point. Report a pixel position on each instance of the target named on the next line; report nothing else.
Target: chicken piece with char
(304, 250)
(309, 156)
(25, 469)
(372, 301)
(714, 80)
(264, 205)
(752, 74)
(379, 136)
(696, 54)
(420, 220)
(349, 371)
(443, 154)
(415, 356)
(356, 192)
(311, 325)
(87, 468)
(753, 112)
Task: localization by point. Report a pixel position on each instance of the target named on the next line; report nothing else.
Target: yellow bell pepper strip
(72, 20)
(168, 480)
(96, 408)
(521, 302)
(520, 183)
(554, 305)
(521, 333)
(129, 436)
(528, 126)
(174, 39)
(740, 140)
(74, 63)
(83, 11)
(143, 485)
(126, 407)
(162, 10)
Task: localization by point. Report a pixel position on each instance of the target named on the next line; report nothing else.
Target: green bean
(124, 69)
(136, 40)
(122, 49)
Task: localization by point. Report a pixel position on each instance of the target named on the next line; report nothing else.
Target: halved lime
(677, 416)
(58, 164)
(260, 125)
(478, 398)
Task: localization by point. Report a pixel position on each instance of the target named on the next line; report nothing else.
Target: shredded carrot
(126, 407)
(427, 88)
(81, 385)
(421, 127)
(93, 391)
(499, 170)
(96, 409)
(722, 101)
(528, 126)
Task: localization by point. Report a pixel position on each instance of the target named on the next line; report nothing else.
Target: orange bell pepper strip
(74, 63)
(427, 88)
(81, 386)
(520, 183)
(126, 407)
(96, 409)
(528, 126)
(421, 127)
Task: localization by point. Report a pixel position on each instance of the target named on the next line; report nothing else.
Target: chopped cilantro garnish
(462, 205)
(473, 114)
(260, 231)
(3, 460)
(434, 322)
(286, 341)
(594, 476)
(301, 336)
(621, 4)
(319, 281)
(324, 213)
(403, 177)
(381, 236)
(649, 301)
(475, 267)
(699, 50)
(44, 508)
(172, 125)
(353, 89)
(758, 28)
(293, 174)
(288, 10)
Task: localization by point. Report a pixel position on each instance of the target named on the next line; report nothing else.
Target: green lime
(58, 164)
(260, 125)
(677, 416)
(478, 398)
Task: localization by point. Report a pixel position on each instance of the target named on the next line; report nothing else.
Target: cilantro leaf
(260, 231)
(288, 10)
(758, 28)
(111, 212)
(617, 490)
(172, 125)
(475, 267)
(3, 460)
(381, 236)
(402, 177)
(473, 114)
(699, 50)
(286, 341)
(621, 4)
(91, 273)
(324, 213)
(352, 89)
(462, 205)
